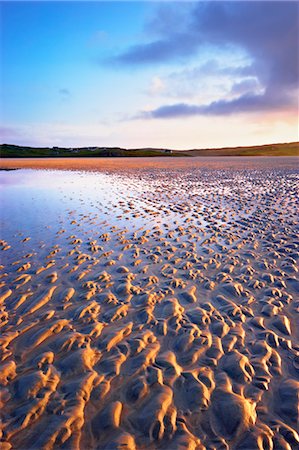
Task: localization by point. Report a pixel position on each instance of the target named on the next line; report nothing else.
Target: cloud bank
(265, 31)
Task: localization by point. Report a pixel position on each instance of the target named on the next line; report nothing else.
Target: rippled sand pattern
(150, 308)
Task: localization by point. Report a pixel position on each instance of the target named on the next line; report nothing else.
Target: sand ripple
(167, 319)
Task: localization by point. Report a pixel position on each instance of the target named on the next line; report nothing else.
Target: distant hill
(15, 151)
(288, 149)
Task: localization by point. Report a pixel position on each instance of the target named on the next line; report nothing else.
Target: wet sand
(150, 304)
(125, 164)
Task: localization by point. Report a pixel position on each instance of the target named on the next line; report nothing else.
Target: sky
(166, 74)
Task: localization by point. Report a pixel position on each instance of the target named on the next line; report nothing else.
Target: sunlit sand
(149, 304)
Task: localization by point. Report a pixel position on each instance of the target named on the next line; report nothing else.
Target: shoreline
(142, 163)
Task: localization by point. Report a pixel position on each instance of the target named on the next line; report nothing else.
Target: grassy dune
(15, 151)
(289, 149)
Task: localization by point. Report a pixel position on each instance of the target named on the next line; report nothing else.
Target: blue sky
(139, 74)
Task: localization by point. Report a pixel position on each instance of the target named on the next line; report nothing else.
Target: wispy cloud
(64, 92)
(247, 103)
(157, 86)
(167, 49)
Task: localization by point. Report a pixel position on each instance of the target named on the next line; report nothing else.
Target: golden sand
(125, 164)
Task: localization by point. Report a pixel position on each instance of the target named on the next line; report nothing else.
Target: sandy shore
(152, 306)
(124, 164)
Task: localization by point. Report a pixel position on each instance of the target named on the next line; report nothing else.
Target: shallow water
(32, 200)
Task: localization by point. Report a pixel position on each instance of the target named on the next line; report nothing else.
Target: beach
(149, 303)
